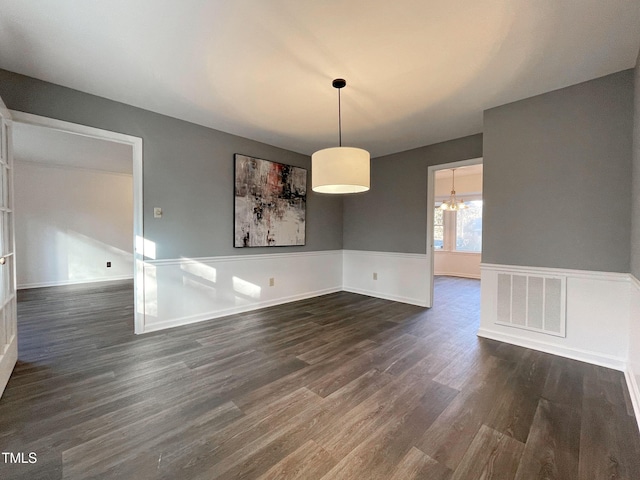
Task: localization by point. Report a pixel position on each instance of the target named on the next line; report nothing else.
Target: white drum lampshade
(340, 170)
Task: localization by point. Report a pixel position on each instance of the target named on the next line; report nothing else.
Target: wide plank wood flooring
(341, 386)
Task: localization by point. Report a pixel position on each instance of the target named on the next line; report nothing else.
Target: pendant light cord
(339, 118)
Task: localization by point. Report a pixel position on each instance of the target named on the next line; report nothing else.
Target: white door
(8, 316)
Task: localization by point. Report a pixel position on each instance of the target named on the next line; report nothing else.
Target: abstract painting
(270, 203)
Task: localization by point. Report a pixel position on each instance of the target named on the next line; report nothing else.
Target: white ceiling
(418, 71)
(468, 181)
(54, 147)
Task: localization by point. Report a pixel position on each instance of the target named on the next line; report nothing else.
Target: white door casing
(138, 233)
(8, 315)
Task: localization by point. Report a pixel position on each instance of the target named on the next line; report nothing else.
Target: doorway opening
(454, 236)
(71, 243)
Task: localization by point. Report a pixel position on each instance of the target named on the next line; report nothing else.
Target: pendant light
(340, 169)
(453, 203)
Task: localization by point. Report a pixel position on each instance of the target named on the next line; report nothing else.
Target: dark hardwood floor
(342, 386)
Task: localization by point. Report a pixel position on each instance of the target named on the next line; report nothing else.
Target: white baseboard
(457, 274)
(203, 317)
(595, 358)
(26, 286)
(632, 372)
(634, 392)
(396, 298)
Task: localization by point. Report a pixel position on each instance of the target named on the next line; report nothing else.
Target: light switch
(157, 212)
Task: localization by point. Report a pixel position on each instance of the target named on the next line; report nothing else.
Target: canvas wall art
(270, 203)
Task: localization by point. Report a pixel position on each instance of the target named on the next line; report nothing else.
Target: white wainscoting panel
(402, 277)
(632, 374)
(182, 291)
(597, 315)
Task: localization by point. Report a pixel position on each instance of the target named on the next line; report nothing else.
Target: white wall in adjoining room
(456, 264)
(69, 223)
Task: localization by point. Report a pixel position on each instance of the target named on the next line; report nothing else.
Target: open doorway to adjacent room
(78, 203)
(454, 233)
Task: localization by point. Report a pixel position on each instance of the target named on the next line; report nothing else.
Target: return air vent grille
(532, 302)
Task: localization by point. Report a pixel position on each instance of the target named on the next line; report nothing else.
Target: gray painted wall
(188, 171)
(557, 168)
(635, 208)
(392, 216)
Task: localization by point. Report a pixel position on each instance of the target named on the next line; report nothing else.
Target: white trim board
(27, 286)
(634, 392)
(385, 296)
(138, 227)
(632, 372)
(595, 358)
(612, 276)
(241, 258)
(203, 317)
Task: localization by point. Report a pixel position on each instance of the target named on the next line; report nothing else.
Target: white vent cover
(532, 302)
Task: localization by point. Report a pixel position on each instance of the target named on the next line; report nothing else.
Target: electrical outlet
(375, 275)
(272, 282)
(108, 264)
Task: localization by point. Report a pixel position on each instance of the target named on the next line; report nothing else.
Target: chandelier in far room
(453, 203)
